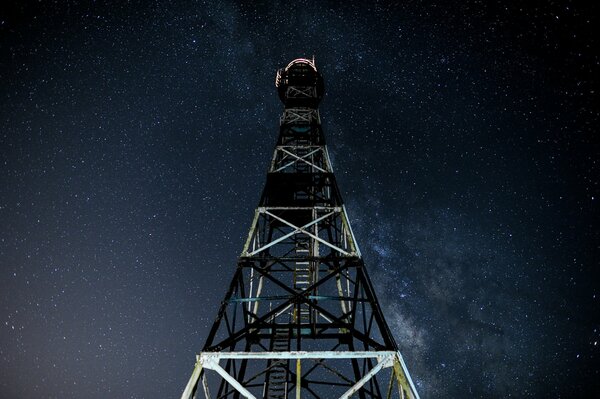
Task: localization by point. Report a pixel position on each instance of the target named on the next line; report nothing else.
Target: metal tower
(300, 318)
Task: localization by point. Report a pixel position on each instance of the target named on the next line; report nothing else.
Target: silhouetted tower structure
(300, 318)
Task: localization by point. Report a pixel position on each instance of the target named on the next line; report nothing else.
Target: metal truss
(300, 115)
(383, 359)
(301, 92)
(328, 226)
(300, 317)
(301, 158)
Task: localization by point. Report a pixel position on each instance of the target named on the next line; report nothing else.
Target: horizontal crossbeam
(385, 359)
(299, 355)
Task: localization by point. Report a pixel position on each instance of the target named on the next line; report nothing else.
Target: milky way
(135, 140)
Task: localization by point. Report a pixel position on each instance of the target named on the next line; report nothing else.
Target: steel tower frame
(300, 317)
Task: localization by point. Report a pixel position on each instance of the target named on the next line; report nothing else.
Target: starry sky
(134, 142)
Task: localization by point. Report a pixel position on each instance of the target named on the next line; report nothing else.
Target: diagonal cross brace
(301, 91)
(297, 230)
(302, 158)
(212, 363)
(302, 229)
(383, 362)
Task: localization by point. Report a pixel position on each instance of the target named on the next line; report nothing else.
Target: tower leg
(190, 388)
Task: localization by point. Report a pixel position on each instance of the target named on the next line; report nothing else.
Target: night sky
(134, 142)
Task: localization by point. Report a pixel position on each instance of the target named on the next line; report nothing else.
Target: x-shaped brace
(302, 158)
(296, 230)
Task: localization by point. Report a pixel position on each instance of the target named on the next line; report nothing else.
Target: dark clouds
(134, 143)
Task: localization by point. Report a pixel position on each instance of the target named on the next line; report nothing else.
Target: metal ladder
(303, 279)
(277, 380)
